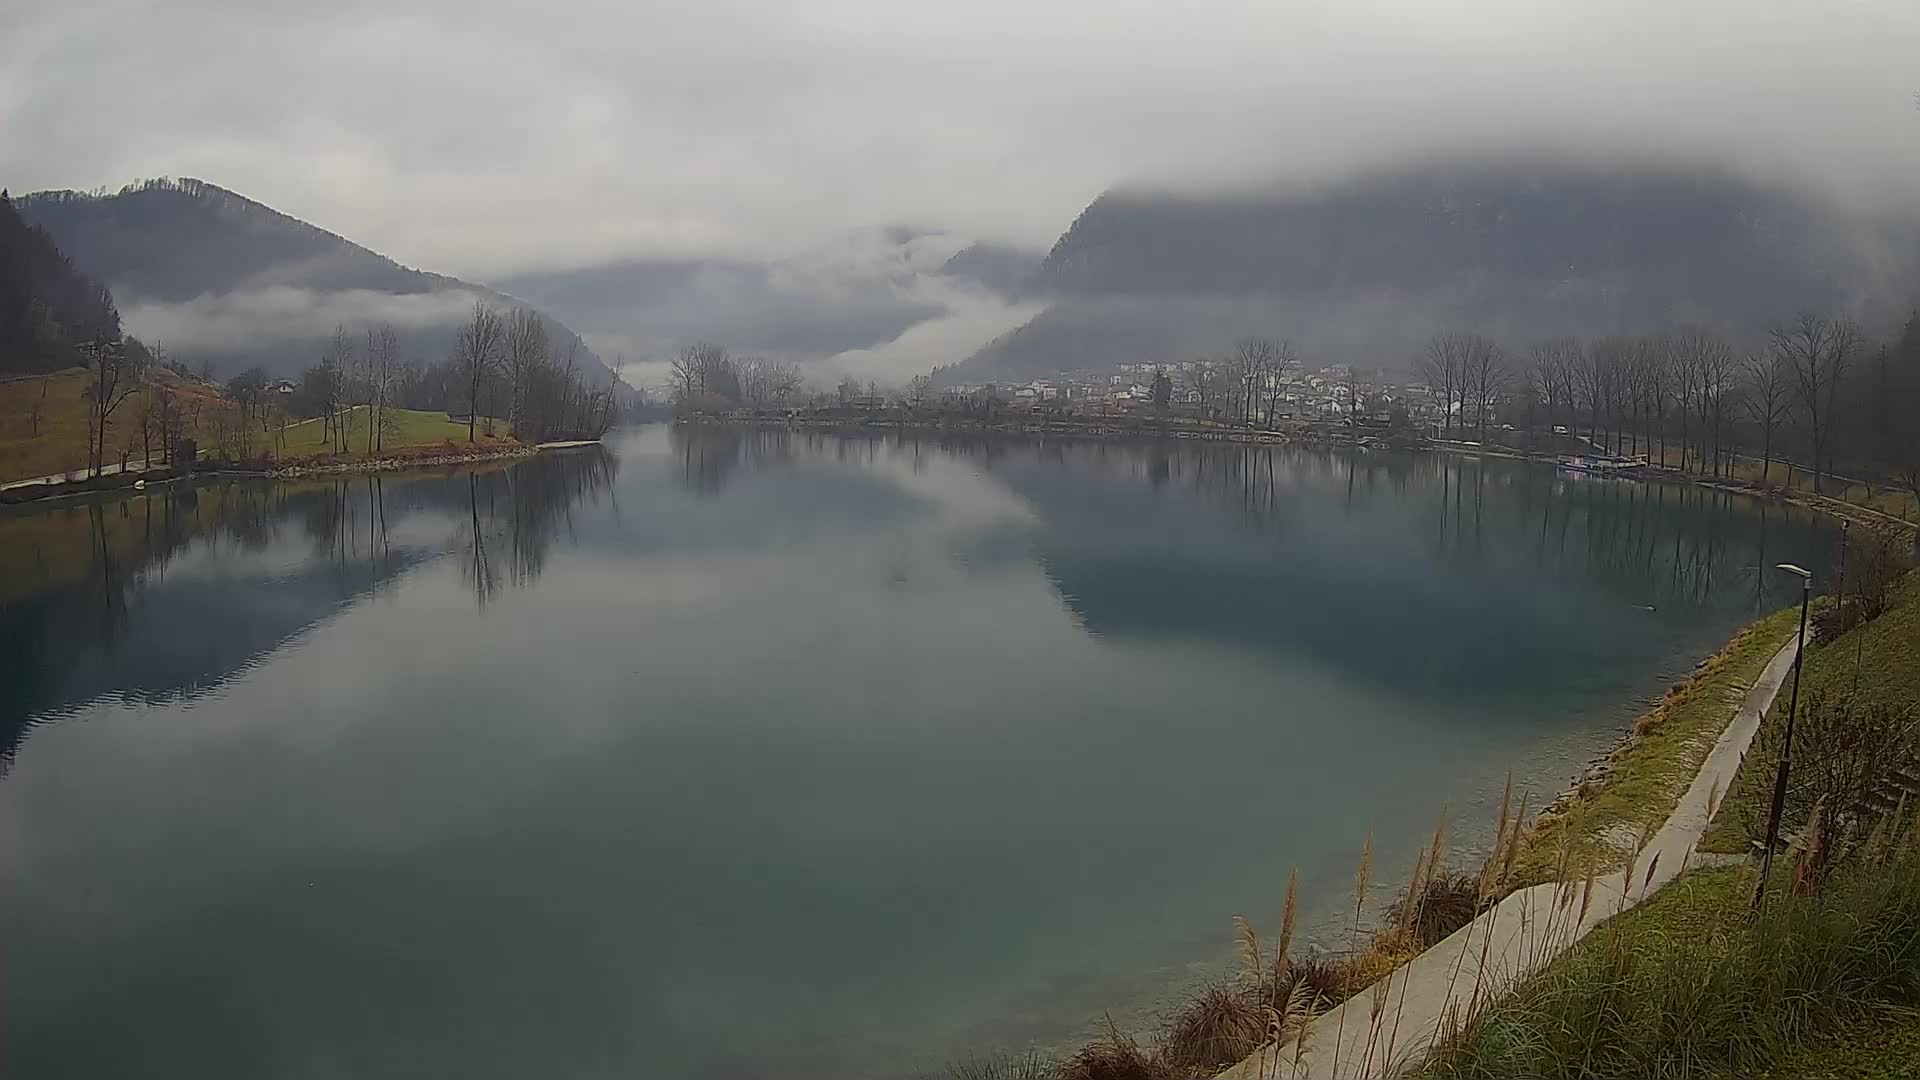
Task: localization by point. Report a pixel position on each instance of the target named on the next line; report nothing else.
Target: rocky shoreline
(1601, 766)
(389, 464)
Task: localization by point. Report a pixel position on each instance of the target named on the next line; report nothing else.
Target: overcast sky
(482, 138)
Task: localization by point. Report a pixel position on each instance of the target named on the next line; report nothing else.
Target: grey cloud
(481, 139)
(282, 315)
(873, 302)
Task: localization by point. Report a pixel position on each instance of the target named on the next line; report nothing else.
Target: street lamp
(1786, 744)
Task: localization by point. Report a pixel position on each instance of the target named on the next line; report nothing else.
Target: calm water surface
(756, 754)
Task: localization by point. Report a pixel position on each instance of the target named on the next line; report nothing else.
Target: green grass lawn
(1884, 655)
(411, 429)
(1649, 777)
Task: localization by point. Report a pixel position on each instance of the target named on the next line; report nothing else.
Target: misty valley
(987, 541)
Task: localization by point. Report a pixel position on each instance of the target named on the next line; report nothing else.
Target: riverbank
(1092, 428)
(1302, 432)
(428, 458)
(1820, 981)
(1636, 784)
(1630, 822)
(1840, 509)
(419, 457)
(1395, 1023)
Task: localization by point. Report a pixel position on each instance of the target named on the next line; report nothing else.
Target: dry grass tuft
(1004, 1066)
(1113, 1056)
(1447, 901)
(1326, 979)
(1213, 1029)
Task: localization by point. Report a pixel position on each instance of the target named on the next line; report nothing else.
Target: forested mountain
(1367, 269)
(1006, 270)
(47, 307)
(213, 275)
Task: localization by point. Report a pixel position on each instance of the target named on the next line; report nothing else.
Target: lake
(729, 753)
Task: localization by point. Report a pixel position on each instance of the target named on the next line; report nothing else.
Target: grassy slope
(1884, 1045)
(61, 444)
(1682, 987)
(1650, 776)
(1888, 653)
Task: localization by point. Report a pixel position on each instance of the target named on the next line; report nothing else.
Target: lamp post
(1786, 744)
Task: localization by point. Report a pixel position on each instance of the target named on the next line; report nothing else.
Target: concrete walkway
(1389, 1027)
(112, 469)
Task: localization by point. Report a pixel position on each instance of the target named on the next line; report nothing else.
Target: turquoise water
(734, 754)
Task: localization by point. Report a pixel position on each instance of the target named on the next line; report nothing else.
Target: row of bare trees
(707, 378)
(1248, 383)
(1687, 398)
(1469, 373)
(512, 356)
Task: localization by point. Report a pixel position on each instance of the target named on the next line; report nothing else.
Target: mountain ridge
(244, 283)
(1366, 270)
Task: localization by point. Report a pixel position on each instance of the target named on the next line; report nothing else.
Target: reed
(1361, 882)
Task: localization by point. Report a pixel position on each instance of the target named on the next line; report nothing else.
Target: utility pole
(1786, 744)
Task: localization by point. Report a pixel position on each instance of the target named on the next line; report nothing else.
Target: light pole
(1786, 744)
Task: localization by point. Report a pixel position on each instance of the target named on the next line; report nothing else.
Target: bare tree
(919, 389)
(848, 389)
(351, 364)
(1550, 375)
(476, 354)
(383, 373)
(1769, 386)
(1255, 364)
(1817, 350)
(766, 383)
(1281, 364)
(1470, 369)
(1486, 377)
(525, 349)
(1716, 390)
(1236, 381)
(1656, 381)
(37, 410)
(111, 379)
(704, 376)
(1606, 375)
(1445, 368)
(1698, 363)
(1206, 383)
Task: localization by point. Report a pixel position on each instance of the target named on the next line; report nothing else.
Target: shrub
(1869, 567)
(1842, 751)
